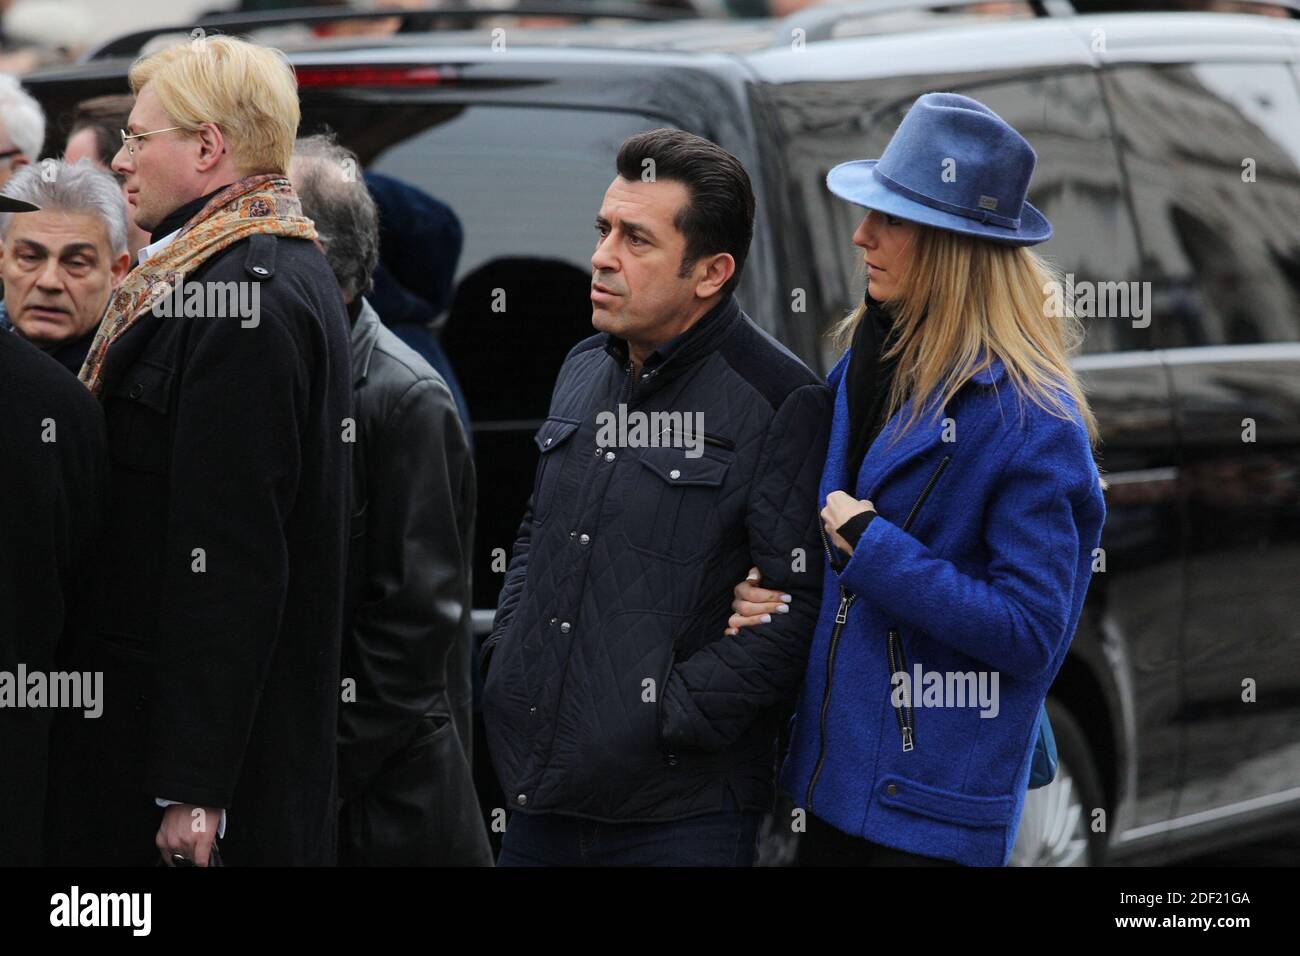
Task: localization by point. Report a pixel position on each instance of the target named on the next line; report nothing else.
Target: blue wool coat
(1006, 508)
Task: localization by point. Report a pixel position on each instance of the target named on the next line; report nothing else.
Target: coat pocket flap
(553, 433)
(147, 384)
(945, 805)
(672, 465)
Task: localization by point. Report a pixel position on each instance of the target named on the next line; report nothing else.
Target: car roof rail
(414, 19)
(820, 22)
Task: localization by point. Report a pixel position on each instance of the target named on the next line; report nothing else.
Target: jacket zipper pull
(842, 614)
(907, 738)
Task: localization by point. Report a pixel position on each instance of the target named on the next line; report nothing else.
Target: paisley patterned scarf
(263, 203)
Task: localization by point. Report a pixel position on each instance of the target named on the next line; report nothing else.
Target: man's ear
(718, 269)
(121, 266)
(212, 146)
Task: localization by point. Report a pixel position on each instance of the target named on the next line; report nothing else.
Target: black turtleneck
(867, 381)
(181, 215)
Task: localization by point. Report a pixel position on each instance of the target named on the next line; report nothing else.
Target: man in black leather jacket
(405, 783)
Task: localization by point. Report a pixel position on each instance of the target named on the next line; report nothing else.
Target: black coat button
(891, 790)
(137, 389)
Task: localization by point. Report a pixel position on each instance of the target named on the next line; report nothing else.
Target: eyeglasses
(127, 137)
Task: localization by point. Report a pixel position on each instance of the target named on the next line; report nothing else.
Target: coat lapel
(885, 457)
(834, 475)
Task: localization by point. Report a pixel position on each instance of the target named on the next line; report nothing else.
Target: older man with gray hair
(405, 783)
(22, 127)
(60, 265)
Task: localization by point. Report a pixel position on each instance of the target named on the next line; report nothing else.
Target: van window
(1213, 156)
(1078, 186)
(1077, 183)
(525, 185)
(507, 197)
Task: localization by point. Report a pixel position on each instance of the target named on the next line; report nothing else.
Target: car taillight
(319, 76)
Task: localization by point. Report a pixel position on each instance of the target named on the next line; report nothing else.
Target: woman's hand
(755, 605)
(840, 507)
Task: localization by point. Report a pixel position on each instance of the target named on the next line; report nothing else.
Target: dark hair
(719, 215)
(107, 116)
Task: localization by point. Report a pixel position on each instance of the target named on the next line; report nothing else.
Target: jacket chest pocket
(139, 418)
(551, 439)
(672, 508)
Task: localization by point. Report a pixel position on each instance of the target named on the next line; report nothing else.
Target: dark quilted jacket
(611, 691)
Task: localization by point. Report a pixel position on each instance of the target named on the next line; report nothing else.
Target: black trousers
(824, 845)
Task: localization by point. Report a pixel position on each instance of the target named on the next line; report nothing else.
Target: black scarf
(867, 380)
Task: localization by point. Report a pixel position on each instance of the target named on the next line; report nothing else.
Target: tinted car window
(1213, 155)
(1077, 184)
(525, 185)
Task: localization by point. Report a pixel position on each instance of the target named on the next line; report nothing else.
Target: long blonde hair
(959, 295)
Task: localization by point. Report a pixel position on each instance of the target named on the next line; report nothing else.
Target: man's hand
(189, 831)
(840, 507)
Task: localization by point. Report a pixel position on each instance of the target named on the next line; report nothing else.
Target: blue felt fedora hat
(952, 164)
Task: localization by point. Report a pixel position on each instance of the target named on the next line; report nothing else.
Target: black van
(1169, 165)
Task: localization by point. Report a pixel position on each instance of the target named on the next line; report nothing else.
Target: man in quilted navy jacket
(683, 446)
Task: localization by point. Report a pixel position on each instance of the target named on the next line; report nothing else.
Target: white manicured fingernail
(766, 619)
(782, 609)
(786, 598)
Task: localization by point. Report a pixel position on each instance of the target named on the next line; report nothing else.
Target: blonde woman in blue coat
(961, 507)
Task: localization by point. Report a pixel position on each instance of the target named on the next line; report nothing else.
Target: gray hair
(80, 187)
(22, 117)
(327, 178)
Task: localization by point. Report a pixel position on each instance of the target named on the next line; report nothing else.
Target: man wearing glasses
(217, 623)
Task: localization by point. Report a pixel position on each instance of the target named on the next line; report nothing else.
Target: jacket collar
(365, 334)
(885, 456)
(684, 350)
(992, 374)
